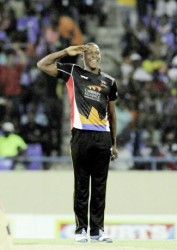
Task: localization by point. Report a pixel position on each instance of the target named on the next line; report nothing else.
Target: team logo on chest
(92, 92)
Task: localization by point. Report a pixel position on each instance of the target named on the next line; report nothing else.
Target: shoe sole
(103, 241)
(81, 241)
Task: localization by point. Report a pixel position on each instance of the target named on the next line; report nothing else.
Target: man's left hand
(114, 153)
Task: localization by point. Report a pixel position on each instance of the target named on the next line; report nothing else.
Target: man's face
(92, 57)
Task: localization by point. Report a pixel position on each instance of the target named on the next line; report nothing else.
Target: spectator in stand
(141, 9)
(142, 33)
(152, 63)
(164, 27)
(172, 71)
(159, 47)
(171, 8)
(130, 43)
(139, 75)
(124, 118)
(128, 10)
(3, 107)
(7, 111)
(11, 146)
(11, 73)
(66, 7)
(160, 8)
(18, 7)
(69, 34)
(126, 70)
(36, 134)
(7, 18)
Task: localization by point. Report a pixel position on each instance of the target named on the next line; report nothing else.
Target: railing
(151, 161)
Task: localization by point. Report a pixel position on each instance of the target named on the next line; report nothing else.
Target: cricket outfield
(117, 245)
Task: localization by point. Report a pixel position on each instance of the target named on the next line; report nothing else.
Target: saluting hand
(76, 50)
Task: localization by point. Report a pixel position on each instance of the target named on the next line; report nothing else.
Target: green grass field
(117, 244)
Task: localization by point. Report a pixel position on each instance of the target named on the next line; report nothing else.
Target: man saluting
(92, 94)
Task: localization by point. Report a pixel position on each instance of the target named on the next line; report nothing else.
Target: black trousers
(90, 152)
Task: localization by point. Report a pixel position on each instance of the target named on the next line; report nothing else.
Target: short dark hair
(94, 44)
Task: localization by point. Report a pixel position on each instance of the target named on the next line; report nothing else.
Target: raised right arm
(48, 63)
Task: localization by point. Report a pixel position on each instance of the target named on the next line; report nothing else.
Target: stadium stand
(138, 42)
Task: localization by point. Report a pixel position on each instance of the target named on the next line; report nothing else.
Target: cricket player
(92, 95)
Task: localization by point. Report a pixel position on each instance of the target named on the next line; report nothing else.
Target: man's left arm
(113, 128)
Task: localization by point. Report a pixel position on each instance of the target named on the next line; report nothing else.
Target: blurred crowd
(31, 102)
(29, 99)
(147, 111)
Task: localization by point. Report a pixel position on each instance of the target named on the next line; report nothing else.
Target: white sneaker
(101, 238)
(82, 237)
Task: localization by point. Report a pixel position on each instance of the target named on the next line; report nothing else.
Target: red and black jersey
(89, 95)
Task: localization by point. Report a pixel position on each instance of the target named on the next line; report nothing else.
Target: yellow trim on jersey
(93, 118)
